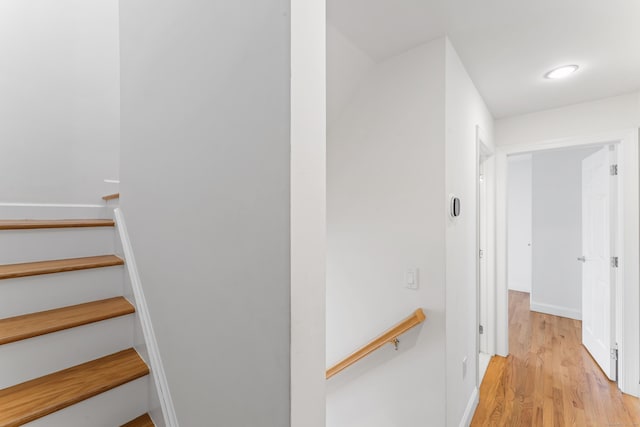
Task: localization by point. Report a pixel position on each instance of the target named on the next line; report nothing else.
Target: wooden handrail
(389, 337)
(111, 197)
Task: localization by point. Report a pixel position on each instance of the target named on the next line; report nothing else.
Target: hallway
(549, 378)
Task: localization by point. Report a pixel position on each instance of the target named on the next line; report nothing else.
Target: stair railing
(388, 337)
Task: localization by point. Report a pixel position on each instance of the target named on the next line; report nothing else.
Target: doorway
(625, 299)
(561, 236)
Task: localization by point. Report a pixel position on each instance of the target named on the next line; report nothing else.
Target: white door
(597, 284)
(519, 222)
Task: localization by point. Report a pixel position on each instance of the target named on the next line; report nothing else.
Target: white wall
(385, 207)
(557, 232)
(346, 65)
(589, 118)
(465, 110)
(405, 140)
(205, 174)
(308, 213)
(59, 80)
(519, 223)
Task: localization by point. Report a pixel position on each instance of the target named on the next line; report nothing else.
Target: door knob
(582, 258)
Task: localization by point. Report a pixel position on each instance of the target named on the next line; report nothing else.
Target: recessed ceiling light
(561, 72)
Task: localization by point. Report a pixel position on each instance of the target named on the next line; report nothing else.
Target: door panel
(597, 285)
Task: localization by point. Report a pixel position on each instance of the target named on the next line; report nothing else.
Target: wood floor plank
(34, 399)
(549, 378)
(9, 271)
(30, 224)
(141, 421)
(35, 324)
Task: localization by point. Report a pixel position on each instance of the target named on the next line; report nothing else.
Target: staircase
(67, 356)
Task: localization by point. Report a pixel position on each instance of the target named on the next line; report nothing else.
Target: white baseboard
(556, 310)
(155, 362)
(520, 287)
(470, 409)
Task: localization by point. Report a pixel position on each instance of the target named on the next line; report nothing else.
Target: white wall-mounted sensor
(455, 207)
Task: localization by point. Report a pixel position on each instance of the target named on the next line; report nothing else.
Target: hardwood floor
(549, 379)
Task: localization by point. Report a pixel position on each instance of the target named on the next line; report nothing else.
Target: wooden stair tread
(9, 271)
(44, 322)
(42, 396)
(29, 224)
(141, 421)
(111, 196)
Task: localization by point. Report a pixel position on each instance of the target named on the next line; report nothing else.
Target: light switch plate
(411, 279)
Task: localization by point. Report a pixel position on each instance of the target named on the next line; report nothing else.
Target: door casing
(485, 285)
(628, 250)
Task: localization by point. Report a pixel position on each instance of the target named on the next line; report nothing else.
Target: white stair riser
(44, 211)
(38, 356)
(25, 295)
(110, 409)
(18, 246)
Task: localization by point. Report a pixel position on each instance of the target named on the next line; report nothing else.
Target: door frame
(485, 163)
(628, 229)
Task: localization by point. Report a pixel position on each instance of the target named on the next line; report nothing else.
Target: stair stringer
(162, 409)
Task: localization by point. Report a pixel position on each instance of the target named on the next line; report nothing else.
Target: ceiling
(508, 45)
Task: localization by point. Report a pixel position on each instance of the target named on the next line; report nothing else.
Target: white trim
(520, 287)
(157, 370)
(470, 409)
(556, 310)
(308, 213)
(628, 297)
(484, 164)
(629, 272)
(597, 139)
(502, 292)
(490, 187)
